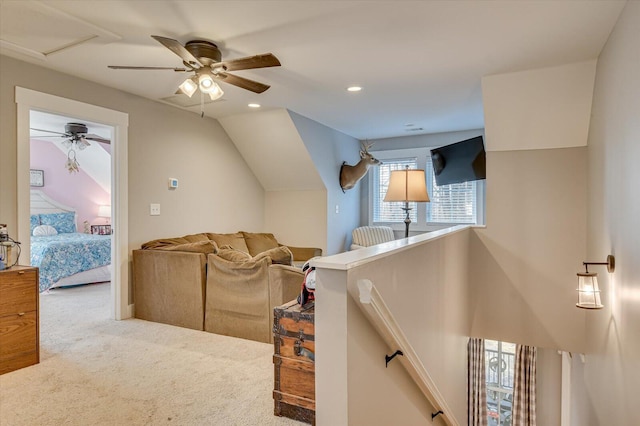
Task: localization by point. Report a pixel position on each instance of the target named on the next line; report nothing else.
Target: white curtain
(524, 387)
(476, 384)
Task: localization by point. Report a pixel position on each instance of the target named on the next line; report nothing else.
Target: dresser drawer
(18, 334)
(18, 292)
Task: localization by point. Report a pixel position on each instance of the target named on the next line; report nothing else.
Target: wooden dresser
(19, 325)
(294, 362)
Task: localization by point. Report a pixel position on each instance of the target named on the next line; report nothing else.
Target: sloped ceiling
(273, 149)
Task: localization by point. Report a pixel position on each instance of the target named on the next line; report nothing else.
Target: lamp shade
(407, 186)
(588, 291)
(104, 211)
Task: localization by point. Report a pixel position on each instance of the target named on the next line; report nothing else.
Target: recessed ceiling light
(354, 88)
(254, 105)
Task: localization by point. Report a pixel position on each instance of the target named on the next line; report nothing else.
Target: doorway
(28, 100)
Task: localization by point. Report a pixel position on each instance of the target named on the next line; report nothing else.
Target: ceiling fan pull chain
(201, 104)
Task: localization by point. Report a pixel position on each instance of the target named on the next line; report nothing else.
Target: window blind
(388, 211)
(455, 203)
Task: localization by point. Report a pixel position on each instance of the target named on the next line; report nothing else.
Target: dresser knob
(21, 314)
(20, 272)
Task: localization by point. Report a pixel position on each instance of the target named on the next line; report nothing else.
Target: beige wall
(425, 287)
(164, 142)
(523, 264)
(294, 217)
(538, 109)
(611, 372)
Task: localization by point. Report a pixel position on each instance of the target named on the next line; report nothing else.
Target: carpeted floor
(96, 371)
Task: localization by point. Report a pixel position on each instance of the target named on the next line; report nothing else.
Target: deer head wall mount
(350, 175)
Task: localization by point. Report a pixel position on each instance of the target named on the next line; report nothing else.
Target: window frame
(421, 224)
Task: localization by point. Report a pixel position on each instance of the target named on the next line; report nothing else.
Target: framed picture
(101, 229)
(36, 177)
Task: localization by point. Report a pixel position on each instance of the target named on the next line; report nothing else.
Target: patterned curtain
(476, 384)
(524, 387)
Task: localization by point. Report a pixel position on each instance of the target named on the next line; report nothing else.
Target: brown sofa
(222, 283)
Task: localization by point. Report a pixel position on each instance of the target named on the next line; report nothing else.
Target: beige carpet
(96, 371)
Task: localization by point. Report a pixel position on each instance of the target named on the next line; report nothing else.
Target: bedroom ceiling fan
(204, 59)
(76, 136)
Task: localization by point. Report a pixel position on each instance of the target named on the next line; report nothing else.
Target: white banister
(373, 306)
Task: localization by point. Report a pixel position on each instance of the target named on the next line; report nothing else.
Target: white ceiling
(420, 62)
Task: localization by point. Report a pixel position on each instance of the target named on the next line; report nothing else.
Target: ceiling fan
(74, 134)
(204, 59)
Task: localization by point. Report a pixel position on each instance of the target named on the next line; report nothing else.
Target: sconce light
(588, 290)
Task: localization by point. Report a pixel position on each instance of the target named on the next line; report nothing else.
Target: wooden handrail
(379, 315)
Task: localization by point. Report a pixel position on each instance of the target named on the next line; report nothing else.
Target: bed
(65, 257)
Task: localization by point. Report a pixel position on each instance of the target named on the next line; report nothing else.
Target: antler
(365, 147)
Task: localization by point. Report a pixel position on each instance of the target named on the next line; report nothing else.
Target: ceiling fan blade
(242, 82)
(257, 61)
(124, 67)
(48, 131)
(92, 137)
(179, 50)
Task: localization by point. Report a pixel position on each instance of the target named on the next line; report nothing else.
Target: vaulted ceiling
(420, 63)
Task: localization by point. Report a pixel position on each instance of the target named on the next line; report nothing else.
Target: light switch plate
(154, 209)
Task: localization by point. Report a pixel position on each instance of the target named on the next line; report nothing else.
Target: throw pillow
(281, 255)
(44, 230)
(259, 242)
(232, 255)
(234, 240)
(205, 247)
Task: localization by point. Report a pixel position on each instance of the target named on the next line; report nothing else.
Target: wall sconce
(588, 290)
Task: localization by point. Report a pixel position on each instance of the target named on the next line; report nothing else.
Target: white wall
(424, 282)
(607, 385)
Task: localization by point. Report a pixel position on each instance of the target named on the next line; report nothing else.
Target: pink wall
(77, 190)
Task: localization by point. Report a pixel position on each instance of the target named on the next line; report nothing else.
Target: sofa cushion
(205, 247)
(259, 242)
(234, 240)
(164, 242)
(280, 255)
(231, 254)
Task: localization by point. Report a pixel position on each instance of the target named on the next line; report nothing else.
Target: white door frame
(28, 100)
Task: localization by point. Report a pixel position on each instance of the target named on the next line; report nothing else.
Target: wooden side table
(19, 322)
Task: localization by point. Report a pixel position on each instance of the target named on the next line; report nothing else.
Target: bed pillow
(44, 230)
(63, 222)
(35, 221)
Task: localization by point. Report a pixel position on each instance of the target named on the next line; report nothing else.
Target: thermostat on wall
(173, 183)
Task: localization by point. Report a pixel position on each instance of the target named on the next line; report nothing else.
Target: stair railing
(375, 309)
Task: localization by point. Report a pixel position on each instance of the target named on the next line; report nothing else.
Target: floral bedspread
(62, 255)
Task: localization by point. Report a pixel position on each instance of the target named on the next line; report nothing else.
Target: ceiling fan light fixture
(206, 83)
(216, 94)
(188, 87)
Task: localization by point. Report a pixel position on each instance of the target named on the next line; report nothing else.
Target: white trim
(565, 390)
(28, 100)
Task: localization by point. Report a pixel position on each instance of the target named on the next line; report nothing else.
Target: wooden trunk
(294, 391)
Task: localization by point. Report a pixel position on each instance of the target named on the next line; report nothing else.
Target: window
(450, 204)
(499, 358)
